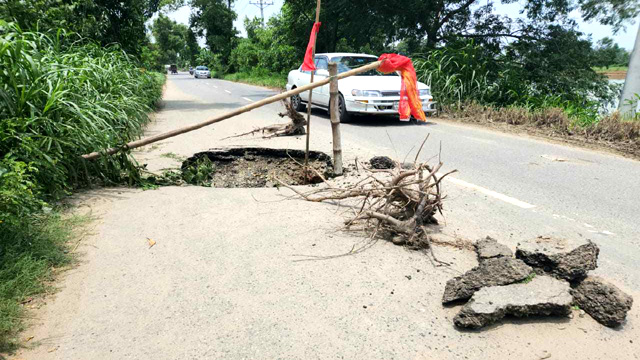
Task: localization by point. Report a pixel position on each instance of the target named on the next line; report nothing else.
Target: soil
(262, 167)
(615, 74)
(628, 148)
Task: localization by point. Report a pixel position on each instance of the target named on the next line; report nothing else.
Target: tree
(610, 12)
(608, 53)
(213, 19)
(105, 21)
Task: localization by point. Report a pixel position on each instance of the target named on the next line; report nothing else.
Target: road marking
(215, 86)
(493, 194)
(249, 100)
(228, 91)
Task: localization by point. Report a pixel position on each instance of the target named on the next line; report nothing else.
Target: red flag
(410, 103)
(309, 64)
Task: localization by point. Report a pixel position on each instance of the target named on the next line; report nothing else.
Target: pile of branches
(397, 203)
(295, 127)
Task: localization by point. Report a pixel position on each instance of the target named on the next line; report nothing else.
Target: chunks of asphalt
(557, 260)
(382, 162)
(605, 302)
(489, 248)
(491, 272)
(542, 296)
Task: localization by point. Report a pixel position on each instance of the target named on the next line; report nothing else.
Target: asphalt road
(245, 273)
(515, 185)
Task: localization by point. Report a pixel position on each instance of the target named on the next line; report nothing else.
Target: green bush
(464, 72)
(59, 100)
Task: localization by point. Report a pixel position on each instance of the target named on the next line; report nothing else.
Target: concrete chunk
(491, 272)
(602, 300)
(543, 296)
(489, 248)
(560, 258)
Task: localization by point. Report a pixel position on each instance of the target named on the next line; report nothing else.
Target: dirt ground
(629, 149)
(239, 273)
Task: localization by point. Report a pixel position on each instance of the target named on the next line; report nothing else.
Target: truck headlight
(425, 92)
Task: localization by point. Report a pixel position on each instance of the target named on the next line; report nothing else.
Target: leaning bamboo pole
(313, 56)
(236, 112)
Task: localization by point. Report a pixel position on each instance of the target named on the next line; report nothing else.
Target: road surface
(224, 279)
(522, 187)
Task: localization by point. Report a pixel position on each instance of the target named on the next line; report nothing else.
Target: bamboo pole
(334, 111)
(313, 56)
(244, 109)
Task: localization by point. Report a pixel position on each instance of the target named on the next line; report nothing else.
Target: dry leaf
(52, 349)
(29, 338)
(151, 242)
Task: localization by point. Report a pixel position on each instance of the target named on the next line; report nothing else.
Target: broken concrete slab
(605, 302)
(489, 248)
(542, 296)
(560, 257)
(491, 272)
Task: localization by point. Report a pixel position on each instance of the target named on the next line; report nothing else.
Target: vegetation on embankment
(566, 99)
(60, 97)
(259, 78)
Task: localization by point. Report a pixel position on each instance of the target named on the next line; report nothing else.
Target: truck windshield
(346, 63)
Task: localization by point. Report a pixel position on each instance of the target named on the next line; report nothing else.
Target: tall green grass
(60, 97)
(464, 76)
(59, 100)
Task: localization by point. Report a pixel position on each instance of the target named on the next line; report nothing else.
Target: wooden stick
(244, 109)
(335, 119)
(313, 56)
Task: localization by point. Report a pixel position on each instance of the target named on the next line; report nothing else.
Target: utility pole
(261, 4)
(628, 101)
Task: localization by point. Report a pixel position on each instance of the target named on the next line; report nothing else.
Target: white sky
(624, 38)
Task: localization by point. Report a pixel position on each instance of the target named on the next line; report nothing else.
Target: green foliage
(211, 60)
(529, 278)
(609, 54)
(107, 22)
(213, 19)
(262, 49)
(529, 74)
(60, 100)
(260, 77)
(174, 42)
(29, 248)
(200, 172)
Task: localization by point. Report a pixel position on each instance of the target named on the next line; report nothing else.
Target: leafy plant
(199, 172)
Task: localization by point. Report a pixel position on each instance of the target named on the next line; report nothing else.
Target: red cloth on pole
(309, 64)
(410, 103)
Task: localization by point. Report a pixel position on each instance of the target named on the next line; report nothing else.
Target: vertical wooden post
(334, 109)
(306, 153)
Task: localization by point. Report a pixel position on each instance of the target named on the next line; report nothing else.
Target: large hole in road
(253, 167)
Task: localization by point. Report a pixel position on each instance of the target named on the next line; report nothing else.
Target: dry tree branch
(295, 127)
(397, 203)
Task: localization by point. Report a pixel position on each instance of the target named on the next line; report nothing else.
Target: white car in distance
(202, 72)
(371, 92)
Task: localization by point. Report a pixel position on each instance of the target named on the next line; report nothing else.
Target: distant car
(190, 70)
(370, 92)
(202, 72)
(173, 69)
